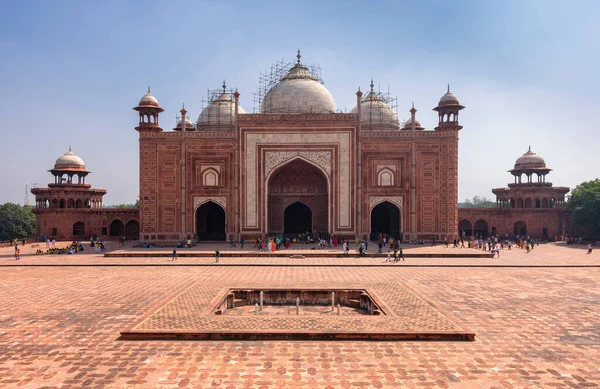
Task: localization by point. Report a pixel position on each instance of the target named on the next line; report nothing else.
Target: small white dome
(220, 112)
(298, 92)
(408, 124)
(448, 98)
(69, 160)
(188, 124)
(148, 100)
(530, 160)
(376, 112)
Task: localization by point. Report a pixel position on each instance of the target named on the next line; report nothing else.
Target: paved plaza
(536, 318)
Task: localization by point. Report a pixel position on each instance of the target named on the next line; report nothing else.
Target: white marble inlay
(293, 140)
(221, 200)
(375, 200)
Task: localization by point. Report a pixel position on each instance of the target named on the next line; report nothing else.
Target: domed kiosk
(529, 164)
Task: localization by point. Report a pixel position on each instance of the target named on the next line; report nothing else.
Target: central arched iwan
(297, 181)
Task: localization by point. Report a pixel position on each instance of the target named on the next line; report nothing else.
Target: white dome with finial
(530, 160)
(69, 161)
(148, 100)
(375, 111)
(448, 98)
(298, 92)
(220, 111)
(188, 124)
(409, 123)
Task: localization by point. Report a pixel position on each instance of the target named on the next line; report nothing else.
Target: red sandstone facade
(529, 206)
(70, 209)
(297, 166)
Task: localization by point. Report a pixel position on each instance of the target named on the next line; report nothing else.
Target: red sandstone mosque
(296, 165)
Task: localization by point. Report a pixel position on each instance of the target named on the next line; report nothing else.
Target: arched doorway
(210, 222)
(297, 219)
(298, 181)
(465, 228)
(520, 228)
(117, 228)
(78, 229)
(132, 229)
(385, 219)
(481, 228)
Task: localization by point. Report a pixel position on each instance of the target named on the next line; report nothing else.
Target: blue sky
(70, 72)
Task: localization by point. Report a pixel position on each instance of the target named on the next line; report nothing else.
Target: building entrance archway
(465, 228)
(295, 184)
(520, 228)
(132, 229)
(210, 222)
(385, 219)
(117, 228)
(297, 219)
(481, 228)
(78, 229)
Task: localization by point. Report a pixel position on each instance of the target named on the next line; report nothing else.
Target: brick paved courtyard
(535, 326)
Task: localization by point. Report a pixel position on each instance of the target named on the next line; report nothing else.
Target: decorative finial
(69, 148)
(372, 85)
(148, 89)
(298, 56)
(224, 86)
(529, 149)
(448, 88)
(413, 104)
(183, 106)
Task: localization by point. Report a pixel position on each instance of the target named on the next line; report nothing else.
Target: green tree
(477, 202)
(16, 221)
(135, 205)
(584, 205)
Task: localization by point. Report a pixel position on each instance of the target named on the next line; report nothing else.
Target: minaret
(447, 110)
(148, 110)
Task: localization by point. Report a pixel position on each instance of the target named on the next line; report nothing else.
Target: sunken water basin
(217, 310)
(300, 302)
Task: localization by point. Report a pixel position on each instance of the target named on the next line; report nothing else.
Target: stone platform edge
(141, 254)
(294, 335)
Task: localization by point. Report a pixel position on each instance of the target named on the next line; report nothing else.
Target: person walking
(446, 241)
(380, 247)
(17, 253)
(174, 255)
(589, 248)
(401, 253)
(241, 243)
(217, 256)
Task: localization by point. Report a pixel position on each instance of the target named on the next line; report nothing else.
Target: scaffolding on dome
(210, 118)
(380, 120)
(271, 76)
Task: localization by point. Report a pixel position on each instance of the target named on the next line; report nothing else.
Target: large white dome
(220, 112)
(298, 92)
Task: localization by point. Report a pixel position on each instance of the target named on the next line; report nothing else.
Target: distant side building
(529, 206)
(70, 209)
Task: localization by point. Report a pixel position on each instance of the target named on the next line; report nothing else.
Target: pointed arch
(386, 177)
(210, 177)
(314, 180)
